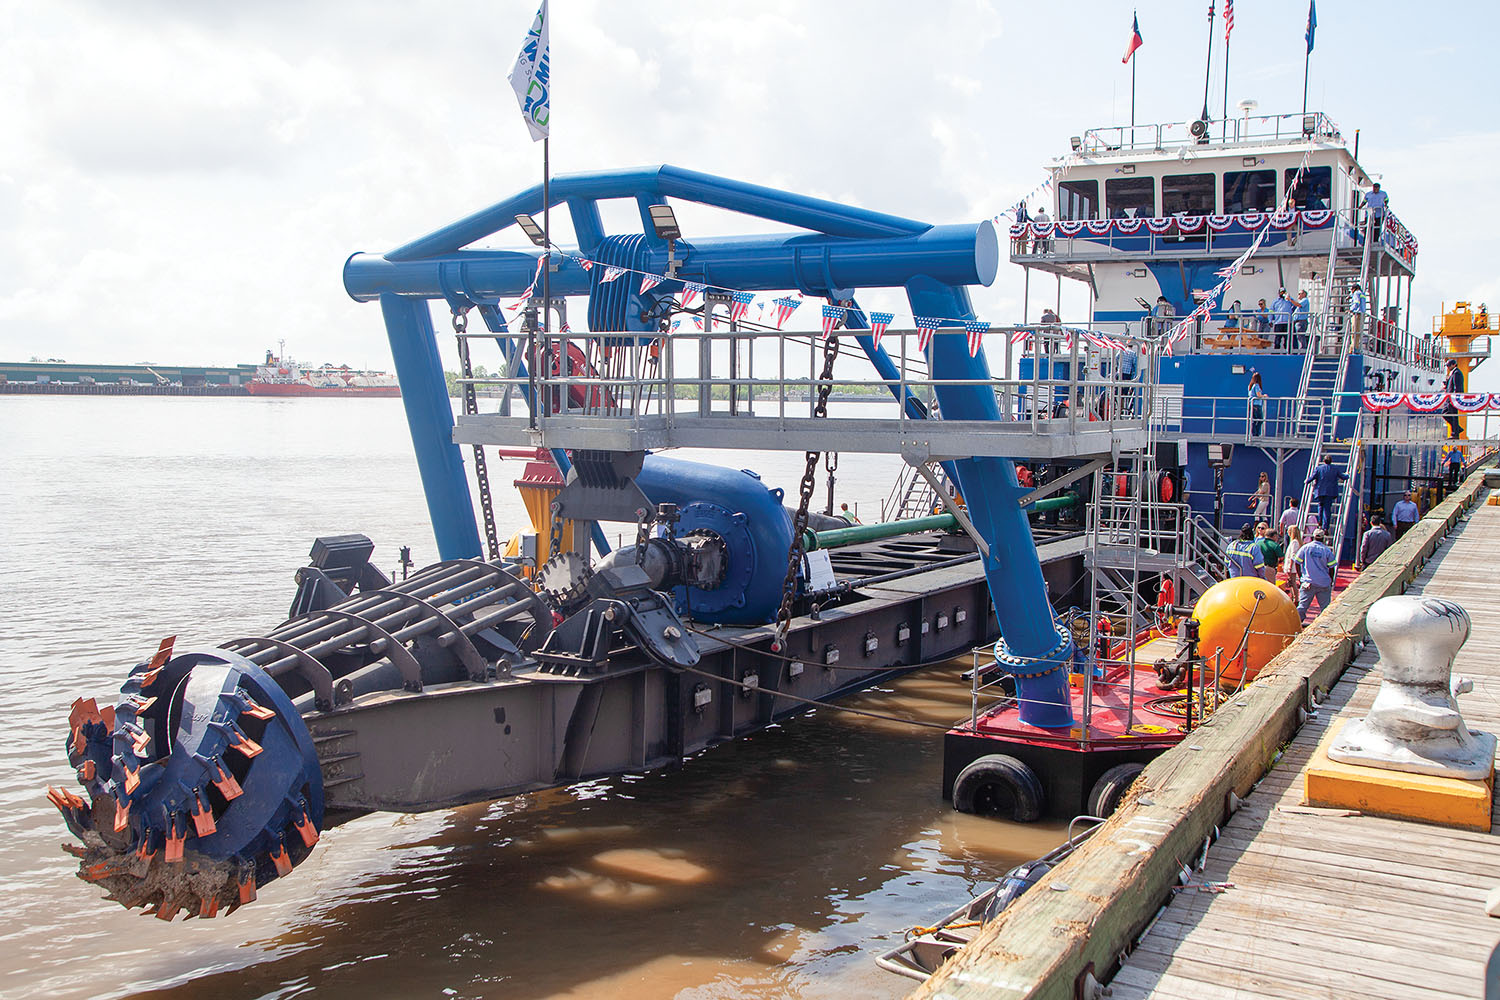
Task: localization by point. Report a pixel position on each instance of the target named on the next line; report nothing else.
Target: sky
(181, 182)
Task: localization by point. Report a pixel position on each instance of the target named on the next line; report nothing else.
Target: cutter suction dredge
(491, 673)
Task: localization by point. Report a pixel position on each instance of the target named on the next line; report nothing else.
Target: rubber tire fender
(998, 784)
(1105, 796)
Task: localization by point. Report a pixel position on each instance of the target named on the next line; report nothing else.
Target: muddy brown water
(775, 866)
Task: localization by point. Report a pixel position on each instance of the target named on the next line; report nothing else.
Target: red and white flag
(925, 329)
(784, 309)
(690, 292)
(1136, 41)
(832, 317)
(976, 329)
(648, 282)
(878, 323)
(611, 272)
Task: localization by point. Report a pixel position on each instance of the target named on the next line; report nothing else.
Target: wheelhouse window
(1316, 189)
(1249, 191)
(1192, 194)
(1078, 200)
(1130, 197)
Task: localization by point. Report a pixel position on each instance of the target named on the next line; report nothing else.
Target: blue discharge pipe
(1035, 647)
(756, 529)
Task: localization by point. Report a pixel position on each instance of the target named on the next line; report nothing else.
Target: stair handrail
(1353, 463)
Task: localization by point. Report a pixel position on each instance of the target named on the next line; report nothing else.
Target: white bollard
(1414, 724)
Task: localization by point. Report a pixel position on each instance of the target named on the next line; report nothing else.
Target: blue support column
(429, 415)
(1038, 649)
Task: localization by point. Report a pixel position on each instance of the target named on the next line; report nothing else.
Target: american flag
(611, 272)
(690, 292)
(648, 282)
(585, 263)
(832, 316)
(1228, 19)
(1019, 336)
(740, 305)
(925, 327)
(784, 309)
(976, 330)
(878, 323)
(565, 328)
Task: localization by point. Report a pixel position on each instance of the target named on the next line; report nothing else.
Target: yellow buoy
(1226, 610)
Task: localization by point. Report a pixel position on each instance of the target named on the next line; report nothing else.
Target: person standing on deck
(1281, 319)
(1316, 568)
(1260, 500)
(1326, 491)
(1242, 556)
(1270, 552)
(1405, 514)
(1129, 364)
(1041, 244)
(1023, 218)
(1453, 382)
(1289, 561)
(1289, 517)
(1162, 312)
(1300, 318)
(1375, 541)
(1262, 317)
(1255, 401)
(1454, 456)
(1375, 202)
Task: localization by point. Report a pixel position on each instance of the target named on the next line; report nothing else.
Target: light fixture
(664, 221)
(1128, 168)
(1309, 124)
(533, 232)
(1076, 141)
(1247, 161)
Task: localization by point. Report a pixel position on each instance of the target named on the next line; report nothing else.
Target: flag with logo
(1312, 23)
(878, 323)
(976, 329)
(832, 316)
(531, 76)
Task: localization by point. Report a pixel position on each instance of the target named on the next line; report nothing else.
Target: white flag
(532, 75)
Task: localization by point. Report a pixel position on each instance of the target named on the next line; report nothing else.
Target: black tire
(1107, 792)
(999, 785)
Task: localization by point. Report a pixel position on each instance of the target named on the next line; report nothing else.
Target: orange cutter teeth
(142, 704)
(226, 784)
(163, 652)
(132, 779)
(88, 771)
(307, 830)
(122, 816)
(145, 853)
(139, 743)
(208, 906)
(247, 888)
(80, 742)
(245, 744)
(257, 711)
(174, 842)
(107, 716)
(282, 862)
(203, 818)
(166, 911)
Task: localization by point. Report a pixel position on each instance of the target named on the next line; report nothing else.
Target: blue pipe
(1034, 646)
(966, 254)
(429, 415)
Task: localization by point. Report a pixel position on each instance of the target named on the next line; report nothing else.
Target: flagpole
(1306, 60)
(1208, 66)
(1225, 117)
(1132, 99)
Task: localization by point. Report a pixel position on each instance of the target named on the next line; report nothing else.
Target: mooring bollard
(1414, 724)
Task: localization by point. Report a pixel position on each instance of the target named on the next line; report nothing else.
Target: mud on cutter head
(201, 784)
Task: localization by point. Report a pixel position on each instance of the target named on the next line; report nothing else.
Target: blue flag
(1312, 23)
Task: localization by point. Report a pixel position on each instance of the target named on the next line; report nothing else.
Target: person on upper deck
(1235, 318)
(1041, 245)
(1281, 318)
(1376, 201)
(1162, 312)
(1301, 316)
(1454, 382)
(1482, 318)
(1262, 318)
(1018, 245)
(1255, 402)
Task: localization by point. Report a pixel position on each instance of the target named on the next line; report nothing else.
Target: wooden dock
(1328, 903)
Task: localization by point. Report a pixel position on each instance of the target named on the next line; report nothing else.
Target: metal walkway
(1325, 903)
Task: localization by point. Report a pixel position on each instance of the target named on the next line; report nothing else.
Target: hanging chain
(471, 407)
(798, 549)
(556, 533)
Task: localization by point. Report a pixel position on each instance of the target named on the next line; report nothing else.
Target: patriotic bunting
(648, 282)
(1470, 402)
(690, 292)
(832, 317)
(739, 305)
(976, 330)
(585, 263)
(925, 328)
(878, 323)
(1426, 402)
(784, 309)
(611, 273)
(1431, 402)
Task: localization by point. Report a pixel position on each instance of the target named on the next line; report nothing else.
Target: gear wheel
(564, 579)
(202, 781)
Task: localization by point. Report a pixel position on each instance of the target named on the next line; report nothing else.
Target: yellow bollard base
(1456, 802)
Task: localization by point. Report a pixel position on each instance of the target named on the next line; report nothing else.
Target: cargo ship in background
(281, 376)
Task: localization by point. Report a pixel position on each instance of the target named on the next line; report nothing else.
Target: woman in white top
(1289, 561)
(1260, 500)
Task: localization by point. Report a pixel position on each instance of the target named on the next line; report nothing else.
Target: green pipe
(836, 537)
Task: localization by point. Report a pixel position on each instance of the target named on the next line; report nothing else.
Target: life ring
(999, 785)
(1122, 484)
(1105, 796)
(1165, 488)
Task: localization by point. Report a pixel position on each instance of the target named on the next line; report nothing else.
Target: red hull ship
(280, 376)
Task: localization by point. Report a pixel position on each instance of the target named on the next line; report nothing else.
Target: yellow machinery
(1460, 327)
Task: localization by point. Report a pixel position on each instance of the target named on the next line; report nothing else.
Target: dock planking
(1326, 904)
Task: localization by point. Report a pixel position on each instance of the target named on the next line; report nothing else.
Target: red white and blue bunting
(1431, 402)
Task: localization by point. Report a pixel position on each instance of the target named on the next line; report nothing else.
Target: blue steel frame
(844, 249)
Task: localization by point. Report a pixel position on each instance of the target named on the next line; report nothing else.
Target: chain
(557, 531)
(471, 407)
(797, 551)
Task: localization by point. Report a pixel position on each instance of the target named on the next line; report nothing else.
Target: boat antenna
(1208, 65)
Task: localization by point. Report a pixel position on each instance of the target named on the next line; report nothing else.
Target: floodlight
(664, 221)
(533, 232)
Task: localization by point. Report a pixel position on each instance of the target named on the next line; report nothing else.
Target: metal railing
(1230, 418)
(758, 388)
(1268, 129)
(1169, 235)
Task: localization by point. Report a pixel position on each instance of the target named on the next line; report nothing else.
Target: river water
(776, 866)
